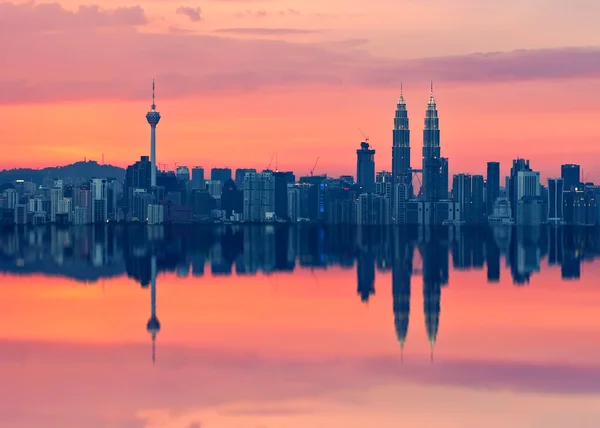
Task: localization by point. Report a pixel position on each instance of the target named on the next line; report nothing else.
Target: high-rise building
(65, 206)
(365, 167)
(198, 181)
(220, 174)
(383, 184)
(99, 198)
(528, 184)
(56, 195)
(281, 194)
(442, 192)
(432, 164)
(373, 210)
(81, 215)
(492, 186)
(401, 145)
(259, 196)
(20, 214)
(462, 194)
(555, 200)
(293, 194)
(183, 173)
(518, 165)
(153, 117)
(477, 201)
(240, 174)
(571, 175)
(12, 198)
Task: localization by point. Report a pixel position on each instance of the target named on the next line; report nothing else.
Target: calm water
(265, 327)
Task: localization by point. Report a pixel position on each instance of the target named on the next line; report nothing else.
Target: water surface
(278, 327)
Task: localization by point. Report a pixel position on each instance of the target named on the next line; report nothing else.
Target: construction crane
(271, 161)
(363, 134)
(313, 168)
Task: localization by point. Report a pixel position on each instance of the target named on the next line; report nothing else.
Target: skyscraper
(401, 145)
(220, 174)
(570, 173)
(153, 117)
(555, 200)
(198, 181)
(477, 206)
(492, 186)
(518, 165)
(431, 152)
(461, 193)
(365, 167)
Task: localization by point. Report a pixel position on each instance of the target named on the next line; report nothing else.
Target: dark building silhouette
(281, 197)
(365, 168)
(571, 175)
(492, 186)
(232, 199)
(477, 201)
(220, 174)
(401, 173)
(518, 165)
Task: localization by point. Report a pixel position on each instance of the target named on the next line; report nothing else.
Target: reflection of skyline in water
(90, 254)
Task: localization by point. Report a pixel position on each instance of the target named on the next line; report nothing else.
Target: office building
(492, 186)
(220, 174)
(259, 197)
(365, 168)
(401, 172)
(571, 176)
(462, 194)
(555, 200)
(477, 200)
(198, 181)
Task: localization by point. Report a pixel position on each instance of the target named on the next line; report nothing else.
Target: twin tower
(434, 169)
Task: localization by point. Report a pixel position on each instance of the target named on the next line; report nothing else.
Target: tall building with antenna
(153, 117)
(401, 173)
(431, 151)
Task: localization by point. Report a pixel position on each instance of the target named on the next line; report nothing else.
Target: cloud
(249, 13)
(193, 13)
(265, 31)
(289, 12)
(33, 16)
(78, 60)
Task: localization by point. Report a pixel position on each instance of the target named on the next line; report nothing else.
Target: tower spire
(153, 104)
(401, 91)
(431, 86)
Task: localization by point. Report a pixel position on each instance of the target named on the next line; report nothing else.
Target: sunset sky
(238, 80)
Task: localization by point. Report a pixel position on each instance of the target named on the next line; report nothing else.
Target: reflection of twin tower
(433, 278)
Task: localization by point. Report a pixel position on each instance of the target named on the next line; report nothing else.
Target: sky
(294, 351)
(240, 80)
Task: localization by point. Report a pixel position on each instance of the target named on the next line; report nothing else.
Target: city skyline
(526, 99)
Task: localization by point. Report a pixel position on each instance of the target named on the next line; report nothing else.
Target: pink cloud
(193, 13)
(80, 62)
(33, 16)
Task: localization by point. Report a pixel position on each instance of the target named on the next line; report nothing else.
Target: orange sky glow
(240, 80)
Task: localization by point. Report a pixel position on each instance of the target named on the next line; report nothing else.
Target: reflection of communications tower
(153, 117)
(153, 325)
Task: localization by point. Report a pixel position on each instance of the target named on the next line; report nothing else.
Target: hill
(77, 170)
